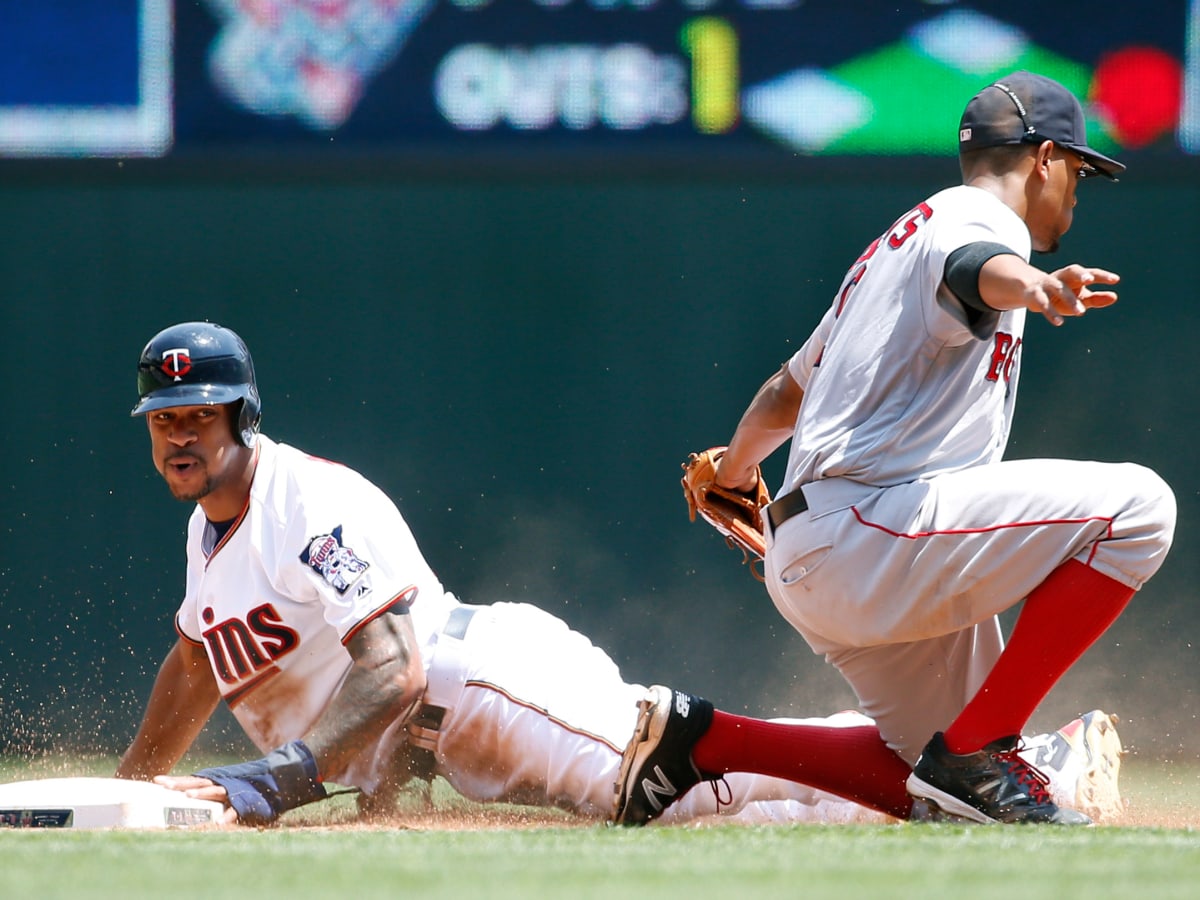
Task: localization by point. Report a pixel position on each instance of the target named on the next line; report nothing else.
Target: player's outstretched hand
(1070, 291)
(261, 790)
(200, 789)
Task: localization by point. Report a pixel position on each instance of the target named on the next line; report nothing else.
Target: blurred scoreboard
(85, 77)
(622, 80)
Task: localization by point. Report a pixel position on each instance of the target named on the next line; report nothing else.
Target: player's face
(195, 452)
(1056, 201)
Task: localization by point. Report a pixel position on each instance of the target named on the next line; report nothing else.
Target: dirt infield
(1142, 812)
(1157, 793)
(507, 820)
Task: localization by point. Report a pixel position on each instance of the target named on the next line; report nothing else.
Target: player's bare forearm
(768, 422)
(385, 685)
(1008, 282)
(182, 701)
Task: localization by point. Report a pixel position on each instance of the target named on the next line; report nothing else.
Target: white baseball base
(101, 803)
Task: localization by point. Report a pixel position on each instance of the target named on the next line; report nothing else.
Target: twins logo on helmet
(177, 362)
(199, 363)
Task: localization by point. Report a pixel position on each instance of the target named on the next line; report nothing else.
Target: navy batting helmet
(199, 363)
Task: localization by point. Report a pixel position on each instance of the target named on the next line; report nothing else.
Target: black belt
(785, 507)
(424, 726)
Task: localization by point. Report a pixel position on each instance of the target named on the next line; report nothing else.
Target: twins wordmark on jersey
(239, 648)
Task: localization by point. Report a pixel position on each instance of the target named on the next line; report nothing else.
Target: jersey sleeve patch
(333, 560)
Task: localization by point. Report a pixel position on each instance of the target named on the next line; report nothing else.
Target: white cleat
(1083, 761)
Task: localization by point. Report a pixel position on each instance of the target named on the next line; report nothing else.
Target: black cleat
(656, 768)
(989, 786)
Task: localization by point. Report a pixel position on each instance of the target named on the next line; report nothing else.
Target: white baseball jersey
(917, 534)
(317, 553)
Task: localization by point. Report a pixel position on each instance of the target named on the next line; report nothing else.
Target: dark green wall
(522, 365)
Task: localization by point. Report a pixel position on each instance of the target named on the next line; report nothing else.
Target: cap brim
(186, 395)
(1107, 166)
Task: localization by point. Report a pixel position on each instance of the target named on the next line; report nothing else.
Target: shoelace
(715, 784)
(1029, 777)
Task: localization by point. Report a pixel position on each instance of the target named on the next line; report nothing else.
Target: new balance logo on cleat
(1004, 791)
(656, 767)
(662, 787)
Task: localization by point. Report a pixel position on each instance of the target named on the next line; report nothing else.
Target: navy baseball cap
(1025, 108)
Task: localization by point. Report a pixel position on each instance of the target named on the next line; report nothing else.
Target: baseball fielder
(311, 612)
(899, 534)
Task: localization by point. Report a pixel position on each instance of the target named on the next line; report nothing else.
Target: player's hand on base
(200, 789)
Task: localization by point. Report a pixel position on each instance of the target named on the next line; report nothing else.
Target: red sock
(851, 762)
(1063, 616)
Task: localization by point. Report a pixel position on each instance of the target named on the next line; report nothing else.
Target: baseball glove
(735, 514)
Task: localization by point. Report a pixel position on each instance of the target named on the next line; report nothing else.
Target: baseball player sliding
(899, 534)
(311, 612)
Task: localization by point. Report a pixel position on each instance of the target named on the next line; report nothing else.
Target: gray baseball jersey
(899, 383)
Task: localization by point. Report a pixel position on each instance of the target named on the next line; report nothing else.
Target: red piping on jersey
(407, 594)
(240, 517)
(488, 686)
(185, 638)
(1033, 524)
(236, 696)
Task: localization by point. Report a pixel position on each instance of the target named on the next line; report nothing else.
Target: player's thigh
(998, 531)
(1034, 490)
(930, 558)
(540, 662)
(1117, 517)
(542, 716)
(913, 690)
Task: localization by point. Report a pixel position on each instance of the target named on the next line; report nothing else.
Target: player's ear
(1043, 158)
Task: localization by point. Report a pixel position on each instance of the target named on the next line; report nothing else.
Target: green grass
(490, 858)
(840, 861)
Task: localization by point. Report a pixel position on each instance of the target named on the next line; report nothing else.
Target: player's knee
(1153, 507)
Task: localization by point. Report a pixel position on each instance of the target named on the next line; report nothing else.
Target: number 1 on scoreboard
(712, 45)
